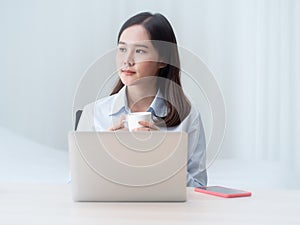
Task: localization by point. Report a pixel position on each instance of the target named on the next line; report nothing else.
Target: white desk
(52, 204)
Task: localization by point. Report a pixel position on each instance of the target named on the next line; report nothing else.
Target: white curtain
(261, 80)
(251, 46)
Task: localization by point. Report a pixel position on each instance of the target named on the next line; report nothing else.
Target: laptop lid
(128, 166)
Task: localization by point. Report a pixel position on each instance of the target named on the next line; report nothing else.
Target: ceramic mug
(132, 119)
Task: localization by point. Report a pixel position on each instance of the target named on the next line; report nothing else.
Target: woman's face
(136, 57)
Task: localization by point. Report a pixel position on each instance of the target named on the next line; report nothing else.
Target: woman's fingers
(141, 129)
(119, 125)
(116, 127)
(148, 125)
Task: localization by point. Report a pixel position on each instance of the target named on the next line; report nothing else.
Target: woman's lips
(128, 72)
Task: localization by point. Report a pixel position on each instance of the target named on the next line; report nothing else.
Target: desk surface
(52, 204)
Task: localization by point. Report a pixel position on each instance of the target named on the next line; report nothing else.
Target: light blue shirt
(100, 115)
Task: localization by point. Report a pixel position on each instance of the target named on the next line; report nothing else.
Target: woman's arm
(196, 165)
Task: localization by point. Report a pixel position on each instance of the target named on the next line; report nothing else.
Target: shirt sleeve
(196, 165)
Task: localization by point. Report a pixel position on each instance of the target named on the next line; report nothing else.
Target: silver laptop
(128, 166)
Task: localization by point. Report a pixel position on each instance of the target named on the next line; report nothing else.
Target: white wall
(251, 46)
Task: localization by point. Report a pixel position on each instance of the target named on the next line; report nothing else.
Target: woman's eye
(121, 49)
(140, 51)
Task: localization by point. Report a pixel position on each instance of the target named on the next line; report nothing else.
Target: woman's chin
(139, 81)
(130, 82)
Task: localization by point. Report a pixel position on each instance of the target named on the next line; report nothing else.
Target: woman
(149, 80)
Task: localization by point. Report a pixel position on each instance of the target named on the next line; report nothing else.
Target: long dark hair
(160, 29)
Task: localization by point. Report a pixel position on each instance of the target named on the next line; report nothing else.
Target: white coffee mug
(132, 119)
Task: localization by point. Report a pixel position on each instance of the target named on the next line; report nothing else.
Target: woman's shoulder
(194, 113)
(194, 117)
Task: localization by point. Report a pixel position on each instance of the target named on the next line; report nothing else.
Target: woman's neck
(140, 97)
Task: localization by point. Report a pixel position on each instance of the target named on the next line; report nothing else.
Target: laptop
(128, 166)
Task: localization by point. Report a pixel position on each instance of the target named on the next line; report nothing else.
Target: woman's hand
(147, 126)
(119, 126)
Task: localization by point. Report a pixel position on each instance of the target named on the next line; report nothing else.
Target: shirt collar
(158, 106)
(119, 102)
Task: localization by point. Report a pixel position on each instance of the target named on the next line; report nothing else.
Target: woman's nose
(129, 60)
